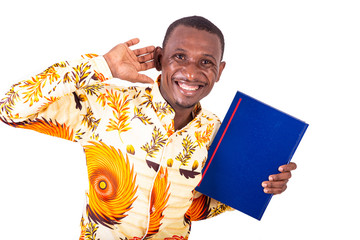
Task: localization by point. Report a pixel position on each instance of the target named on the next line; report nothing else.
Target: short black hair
(199, 23)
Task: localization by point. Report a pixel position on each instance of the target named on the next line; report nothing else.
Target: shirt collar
(162, 108)
(157, 98)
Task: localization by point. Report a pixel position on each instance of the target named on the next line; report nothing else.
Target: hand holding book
(278, 182)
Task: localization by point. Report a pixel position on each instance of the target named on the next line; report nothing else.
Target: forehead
(194, 41)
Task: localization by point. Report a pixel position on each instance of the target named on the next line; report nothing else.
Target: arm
(48, 102)
(53, 99)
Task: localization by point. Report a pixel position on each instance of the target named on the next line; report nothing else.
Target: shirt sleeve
(204, 207)
(51, 102)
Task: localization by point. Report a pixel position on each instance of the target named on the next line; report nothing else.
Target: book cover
(252, 142)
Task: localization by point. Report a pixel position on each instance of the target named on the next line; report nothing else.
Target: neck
(182, 118)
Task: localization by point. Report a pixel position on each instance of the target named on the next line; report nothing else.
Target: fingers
(143, 54)
(144, 50)
(288, 167)
(280, 176)
(146, 58)
(132, 42)
(285, 172)
(125, 63)
(274, 187)
(140, 51)
(147, 65)
(275, 190)
(278, 182)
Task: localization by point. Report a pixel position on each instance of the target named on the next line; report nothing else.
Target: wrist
(108, 59)
(102, 68)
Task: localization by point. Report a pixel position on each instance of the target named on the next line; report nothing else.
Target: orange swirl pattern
(112, 184)
(159, 198)
(199, 209)
(46, 127)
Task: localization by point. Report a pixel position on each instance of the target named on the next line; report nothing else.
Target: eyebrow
(180, 50)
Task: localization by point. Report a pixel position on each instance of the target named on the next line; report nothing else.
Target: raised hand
(126, 64)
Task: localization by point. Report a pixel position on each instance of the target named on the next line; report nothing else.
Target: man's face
(191, 64)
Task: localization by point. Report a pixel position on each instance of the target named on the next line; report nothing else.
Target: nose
(191, 71)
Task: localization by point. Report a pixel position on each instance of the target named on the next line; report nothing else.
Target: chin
(185, 105)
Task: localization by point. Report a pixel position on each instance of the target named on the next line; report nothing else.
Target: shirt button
(162, 175)
(153, 209)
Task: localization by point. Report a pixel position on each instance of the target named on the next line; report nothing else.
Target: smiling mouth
(188, 87)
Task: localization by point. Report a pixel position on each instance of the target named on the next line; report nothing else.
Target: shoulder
(206, 121)
(209, 117)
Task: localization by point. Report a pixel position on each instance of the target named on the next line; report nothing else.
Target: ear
(157, 58)
(221, 68)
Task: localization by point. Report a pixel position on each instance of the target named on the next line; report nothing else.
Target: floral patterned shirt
(142, 173)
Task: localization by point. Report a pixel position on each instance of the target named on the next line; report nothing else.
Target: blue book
(252, 142)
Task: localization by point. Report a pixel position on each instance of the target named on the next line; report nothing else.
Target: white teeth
(188, 87)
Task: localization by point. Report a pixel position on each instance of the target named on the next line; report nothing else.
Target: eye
(206, 62)
(180, 56)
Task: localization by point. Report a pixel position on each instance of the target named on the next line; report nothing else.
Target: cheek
(212, 75)
(169, 63)
(169, 68)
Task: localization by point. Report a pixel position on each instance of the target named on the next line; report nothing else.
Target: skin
(126, 64)
(191, 64)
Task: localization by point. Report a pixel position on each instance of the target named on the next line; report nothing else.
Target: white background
(299, 56)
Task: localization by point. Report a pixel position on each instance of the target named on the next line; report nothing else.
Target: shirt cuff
(102, 67)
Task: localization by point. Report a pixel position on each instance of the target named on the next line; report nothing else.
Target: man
(144, 146)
